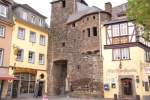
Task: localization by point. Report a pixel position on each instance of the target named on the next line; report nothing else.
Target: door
(127, 88)
(41, 85)
(1, 82)
(15, 89)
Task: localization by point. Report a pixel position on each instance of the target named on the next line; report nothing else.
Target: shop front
(27, 81)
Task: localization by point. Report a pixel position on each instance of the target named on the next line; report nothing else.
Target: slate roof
(72, 0)
(27, 7)
(83, 10)
(117, 10)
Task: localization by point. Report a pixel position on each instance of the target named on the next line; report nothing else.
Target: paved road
(54, 98)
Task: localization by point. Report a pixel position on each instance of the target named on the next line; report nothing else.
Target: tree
(139, 12)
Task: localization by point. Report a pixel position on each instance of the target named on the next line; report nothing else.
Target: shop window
(24, 87)
(121, 53)
(94, 31)
(88, 30)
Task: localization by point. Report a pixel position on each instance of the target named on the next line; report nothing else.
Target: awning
(7, 77)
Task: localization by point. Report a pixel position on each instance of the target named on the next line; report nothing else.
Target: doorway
(1, 83)
(41, 86)
(60, 75)
(15, 89)
(127, 88)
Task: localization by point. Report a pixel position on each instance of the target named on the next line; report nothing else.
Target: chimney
(108, 7)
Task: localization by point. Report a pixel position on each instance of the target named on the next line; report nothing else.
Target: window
(3, 11)
(33, 19)
(115, 30)
(42, 40)
(147, 56)
(1, 57)
(20, 55)
(32, 36)
(2, 31)
(93, 17)
(21, 33)
(63, 44)
(41, 59)
(88, 32)
(25, 15)
(64, 3)
(123, 29)
(73, 25)
(121, 53)
(27, 82)
(94, 31)
(31, 57)
(40, 22)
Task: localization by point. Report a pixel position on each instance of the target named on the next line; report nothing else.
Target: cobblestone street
(54, 98)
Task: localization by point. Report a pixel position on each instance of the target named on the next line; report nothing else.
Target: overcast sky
(44, 6)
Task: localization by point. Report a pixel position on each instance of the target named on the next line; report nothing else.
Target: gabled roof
(27, 7)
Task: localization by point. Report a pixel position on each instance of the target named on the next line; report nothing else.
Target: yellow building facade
(28, 58)
(126, 63)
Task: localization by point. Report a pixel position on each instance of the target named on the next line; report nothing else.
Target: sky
(44, 6)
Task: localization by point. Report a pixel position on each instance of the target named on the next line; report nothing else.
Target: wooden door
(127, 88)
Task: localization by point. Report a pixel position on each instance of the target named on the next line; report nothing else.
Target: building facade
(75, 62)
(28, 58)
(126, 64)
(6, 26)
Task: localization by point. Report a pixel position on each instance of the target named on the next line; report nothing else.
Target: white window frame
(41, 59)
(20, 55)
(40, 22)
(25, 15)
(42, 40)
(125, 53)
(32, 37)
(116, 54)
(4, 12)
(31, 57)
(115, 30)
(21, 33)
(33, 17)
(122, 54)
(1, 56)
(2, 31)
(146, 56)
(123, 29)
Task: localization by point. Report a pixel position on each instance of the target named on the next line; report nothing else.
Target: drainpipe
(74, 6)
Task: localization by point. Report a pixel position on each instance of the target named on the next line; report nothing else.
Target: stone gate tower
(74, 53)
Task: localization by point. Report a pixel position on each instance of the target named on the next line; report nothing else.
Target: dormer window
(25, 15)
(121, 15)
(33, 19)
(40, 22)
(64, 3)
(3, 11)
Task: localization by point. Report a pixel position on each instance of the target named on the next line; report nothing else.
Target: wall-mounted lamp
(120, 65)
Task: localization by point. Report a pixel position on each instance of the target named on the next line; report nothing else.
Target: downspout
(100, 38)
(74, 6)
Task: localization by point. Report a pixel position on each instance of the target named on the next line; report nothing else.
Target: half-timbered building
(126, 58)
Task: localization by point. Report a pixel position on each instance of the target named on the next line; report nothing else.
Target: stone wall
(82, 53)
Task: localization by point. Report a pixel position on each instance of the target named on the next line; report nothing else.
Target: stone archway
(59, 74)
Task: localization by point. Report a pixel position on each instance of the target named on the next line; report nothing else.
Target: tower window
(63, 44)
(94, 31)
(64, 3)
(88, 32)
(93, 17)
(73, 25)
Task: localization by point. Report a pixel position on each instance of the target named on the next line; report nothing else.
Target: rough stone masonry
(74, 51)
